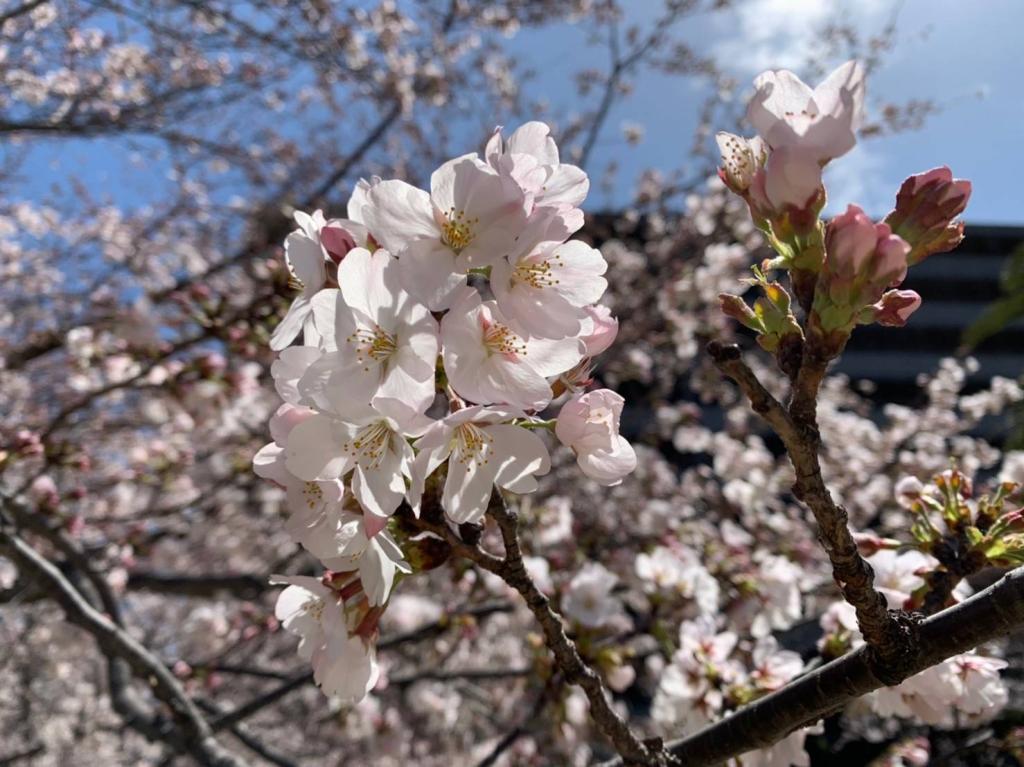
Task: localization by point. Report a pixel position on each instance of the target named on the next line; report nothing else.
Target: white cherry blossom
(588, 598)
(530, 156)
(821, 122)
(375, 450)
(545, 287)
(483, 449)
(386, 341)
(487, 362)
(470, 218)
(344, 664)
(306, 252)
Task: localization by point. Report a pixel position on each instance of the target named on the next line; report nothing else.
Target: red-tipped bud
(337, 241)
(894, 309)
(925, 208)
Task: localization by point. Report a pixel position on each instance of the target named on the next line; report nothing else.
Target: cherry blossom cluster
(437, 327)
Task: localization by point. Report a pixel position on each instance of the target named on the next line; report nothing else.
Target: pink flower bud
(925, 208)
(862, 259)
(589, 424)
(337, 241)
(896, 307)
(850, 240)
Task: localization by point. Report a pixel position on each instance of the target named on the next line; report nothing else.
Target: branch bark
(988, 615)
(890, 635)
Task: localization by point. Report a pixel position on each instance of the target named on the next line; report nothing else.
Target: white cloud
(859, 178)
(775, 34)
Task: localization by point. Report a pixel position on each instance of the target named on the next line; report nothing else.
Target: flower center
(472, 445)
(457, 230)
(373, 344)
(312, 495)
(601, 416)
(314, 606)
(538, 274)
(499, 339)
(369, 445)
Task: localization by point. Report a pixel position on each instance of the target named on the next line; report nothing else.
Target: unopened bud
(925, 208)
(893, 310)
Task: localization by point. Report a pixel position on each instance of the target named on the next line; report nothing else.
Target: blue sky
(965, 56)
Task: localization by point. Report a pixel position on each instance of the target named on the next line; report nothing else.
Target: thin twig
(889, 634)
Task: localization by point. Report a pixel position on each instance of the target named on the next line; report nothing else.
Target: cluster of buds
(962, 533)
(848, 272)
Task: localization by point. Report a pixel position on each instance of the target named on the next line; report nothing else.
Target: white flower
(544, 287)
(470, 218)
(489, 363)
(788, 752)
(589, 424)
(387, 342)
(670, 570)
(344, 665)
(773, 667)
(530, 156)
(375, 450)
(588, 599)
(821, 123)
(289, 368)
(778, 588)
(896, 574)
(482, 450)
(306, 500)
(741, 159)
(306, 251)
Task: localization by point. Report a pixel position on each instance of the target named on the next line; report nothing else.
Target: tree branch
(990, 614)
(576, 671)
(195, 737)
(889, 635)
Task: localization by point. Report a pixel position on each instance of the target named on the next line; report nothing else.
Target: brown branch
(195, 736)
(988, 615)
(572, 666)
(241, 585)
(890, 635)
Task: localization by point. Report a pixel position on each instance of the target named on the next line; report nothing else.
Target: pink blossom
(821, 123)
(589, 424)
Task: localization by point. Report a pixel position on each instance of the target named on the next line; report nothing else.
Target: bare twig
(511, 569)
